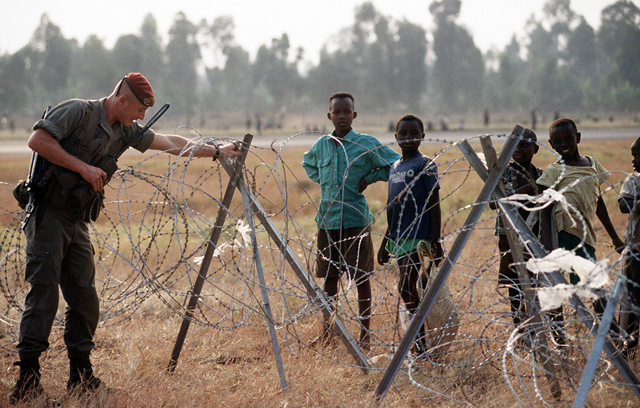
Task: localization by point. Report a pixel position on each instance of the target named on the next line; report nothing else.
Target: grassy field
(228, 359)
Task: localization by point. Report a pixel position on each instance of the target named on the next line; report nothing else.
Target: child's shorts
(400, 247)
(347, 249)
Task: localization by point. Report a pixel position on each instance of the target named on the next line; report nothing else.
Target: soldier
(73, 137)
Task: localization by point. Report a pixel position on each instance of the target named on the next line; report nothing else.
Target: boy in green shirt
(344, 164)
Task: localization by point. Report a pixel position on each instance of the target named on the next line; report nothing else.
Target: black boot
(28, 385)
(81, 378)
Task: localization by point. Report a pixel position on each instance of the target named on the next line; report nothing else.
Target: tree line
(562, 63)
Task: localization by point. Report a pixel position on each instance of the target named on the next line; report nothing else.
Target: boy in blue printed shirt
(344, 164)
(413, 213)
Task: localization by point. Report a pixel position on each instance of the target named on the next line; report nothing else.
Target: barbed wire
(157, 222)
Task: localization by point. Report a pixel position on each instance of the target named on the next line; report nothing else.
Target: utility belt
(67, 191)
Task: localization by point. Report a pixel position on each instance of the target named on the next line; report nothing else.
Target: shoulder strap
(85, 131)
(90, 125)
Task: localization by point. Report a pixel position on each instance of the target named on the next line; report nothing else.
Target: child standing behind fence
(518, 178)
(582, 177)
(628, 201)
(413, 214)
(344, 163)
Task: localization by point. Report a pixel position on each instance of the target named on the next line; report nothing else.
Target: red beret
(141, 88)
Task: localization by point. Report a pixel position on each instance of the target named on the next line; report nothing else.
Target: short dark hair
(410, 118)
(563, 122)
(340, 95)
(529, 135)
(636, 143)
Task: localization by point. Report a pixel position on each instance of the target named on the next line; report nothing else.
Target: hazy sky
(308, 23)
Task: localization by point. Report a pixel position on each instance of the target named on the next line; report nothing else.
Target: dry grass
(237, 367)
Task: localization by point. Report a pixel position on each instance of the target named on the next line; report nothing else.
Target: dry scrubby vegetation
(236, 367)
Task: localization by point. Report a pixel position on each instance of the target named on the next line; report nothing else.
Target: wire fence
(151, 237)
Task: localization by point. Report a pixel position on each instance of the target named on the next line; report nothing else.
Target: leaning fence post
(598, 345)
(508, 212)
(316, 294)
(194, 294)
(266, 305)
(439, 280)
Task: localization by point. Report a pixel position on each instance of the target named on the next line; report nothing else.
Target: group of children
(344, 163)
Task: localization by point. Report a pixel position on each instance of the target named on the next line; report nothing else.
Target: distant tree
(15, 80)
(561, 62)
(276, 74)
(561, 57)
(152, 54)
(560, 18)
(127, 54)
(410, 65)
(363, 28)
(229, 87)
(582, 51)
(619, 35)
(542, 57)
(334, 72)
(459, 66)
(379, 81)
(541, 42)
(380, 60)
(96, 71)
(506, 79)
(553, 30)
(219, 36)
(183, 54)
(510, 64)
(52, 59)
